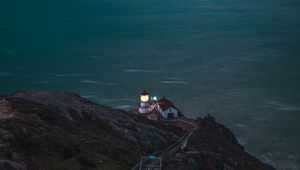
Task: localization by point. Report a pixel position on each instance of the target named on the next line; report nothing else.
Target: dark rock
(10, 165)
(52, 130)
(70, 152)
(86, 161)
(210, 124)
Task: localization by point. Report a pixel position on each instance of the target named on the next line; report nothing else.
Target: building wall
(144, 105)
(169, 110)
(144, 108)
(159, 109)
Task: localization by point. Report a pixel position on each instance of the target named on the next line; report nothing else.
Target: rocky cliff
(63, 131)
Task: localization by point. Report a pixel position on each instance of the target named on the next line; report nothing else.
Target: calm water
(236, 59)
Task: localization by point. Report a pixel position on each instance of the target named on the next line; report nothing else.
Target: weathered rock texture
(62, 131)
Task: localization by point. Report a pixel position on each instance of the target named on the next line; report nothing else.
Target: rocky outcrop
(211, 147)
(9, 165)
(50, 130)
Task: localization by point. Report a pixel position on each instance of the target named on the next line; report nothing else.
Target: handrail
(172, 148)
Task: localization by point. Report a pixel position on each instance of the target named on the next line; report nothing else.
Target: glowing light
(144, 98)
(154, 98)
(152, 157)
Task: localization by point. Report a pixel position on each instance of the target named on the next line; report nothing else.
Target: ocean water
(236, 59)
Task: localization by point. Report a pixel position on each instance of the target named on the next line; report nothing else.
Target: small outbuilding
(167, 109)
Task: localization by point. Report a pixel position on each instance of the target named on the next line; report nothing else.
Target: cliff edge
(62, 131)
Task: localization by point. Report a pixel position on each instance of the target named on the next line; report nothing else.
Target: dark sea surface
(236, 59)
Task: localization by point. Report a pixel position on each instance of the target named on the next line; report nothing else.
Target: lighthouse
(144, 103)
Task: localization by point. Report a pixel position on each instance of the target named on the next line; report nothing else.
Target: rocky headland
(62, 131)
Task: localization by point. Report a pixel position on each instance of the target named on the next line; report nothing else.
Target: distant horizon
(237, 60)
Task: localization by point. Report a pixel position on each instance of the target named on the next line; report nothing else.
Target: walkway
(172, 149)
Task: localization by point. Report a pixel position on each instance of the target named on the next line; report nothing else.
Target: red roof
(165, 104)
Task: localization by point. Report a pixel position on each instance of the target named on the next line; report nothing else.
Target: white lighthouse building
(144, 103)
(155, 109)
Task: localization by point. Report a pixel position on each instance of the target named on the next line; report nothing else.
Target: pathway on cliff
(172, 149)
(187, 121)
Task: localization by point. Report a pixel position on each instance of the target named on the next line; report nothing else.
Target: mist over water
(236, 59)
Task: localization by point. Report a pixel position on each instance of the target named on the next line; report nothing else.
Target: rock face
(214, 147)
(50, 131)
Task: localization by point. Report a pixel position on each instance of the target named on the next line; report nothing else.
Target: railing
(150, 164)
(167, 151)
